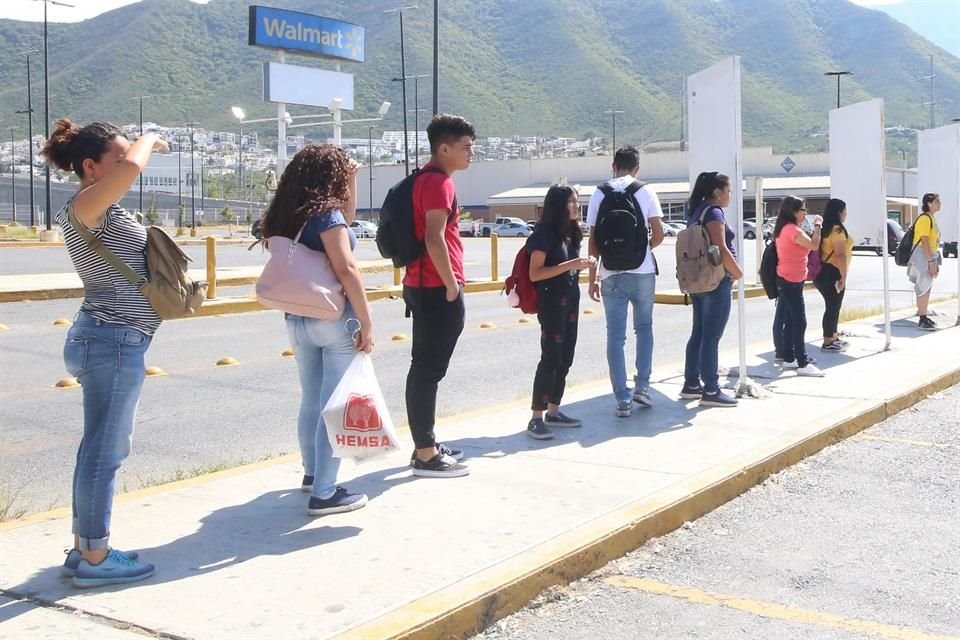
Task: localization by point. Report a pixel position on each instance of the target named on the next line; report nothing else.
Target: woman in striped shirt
(106, 345)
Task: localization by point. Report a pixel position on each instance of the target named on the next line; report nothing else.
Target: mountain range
(537, 67)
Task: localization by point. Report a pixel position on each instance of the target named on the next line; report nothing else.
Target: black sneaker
(439, 466)
(537, 430)
(691, 393)
(456, 454)
(718, 399)
(306, 485)
(560, 420)
(926, 324)
(340, 502)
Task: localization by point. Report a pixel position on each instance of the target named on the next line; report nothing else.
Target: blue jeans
(108, 361)
(617, 292)
(323, 350)
(782, 348)
(790, 295)
(710, 314)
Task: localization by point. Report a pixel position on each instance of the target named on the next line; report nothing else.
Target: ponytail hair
(707, 182)
(69, 145)
(927, 199)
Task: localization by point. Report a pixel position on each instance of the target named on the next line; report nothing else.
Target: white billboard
(939, 172)
(713, 99)
(857, 174)
(291, 84)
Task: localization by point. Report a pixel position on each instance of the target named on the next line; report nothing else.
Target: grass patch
(10, 507)
(849, 314)
(179, 474)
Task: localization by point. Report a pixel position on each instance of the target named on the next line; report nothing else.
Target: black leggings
(826, 284)
(558, 314)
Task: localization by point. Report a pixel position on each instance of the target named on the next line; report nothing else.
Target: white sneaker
(811, 371)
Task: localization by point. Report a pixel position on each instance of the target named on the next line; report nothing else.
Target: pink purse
(299, 280)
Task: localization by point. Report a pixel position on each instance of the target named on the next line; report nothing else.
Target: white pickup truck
(487, 227)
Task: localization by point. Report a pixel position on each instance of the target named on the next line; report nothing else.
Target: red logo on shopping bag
(361, 414)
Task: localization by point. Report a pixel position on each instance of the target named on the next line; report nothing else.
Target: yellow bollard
(397, 275)
(494, 257)
(211, 267)
(193, 232)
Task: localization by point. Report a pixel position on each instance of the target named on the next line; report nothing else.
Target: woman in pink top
(793, 247)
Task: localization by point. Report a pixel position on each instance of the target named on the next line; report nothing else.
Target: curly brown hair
(69, 145)
(315, 181)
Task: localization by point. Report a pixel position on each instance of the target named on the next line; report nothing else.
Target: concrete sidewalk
(238, 557)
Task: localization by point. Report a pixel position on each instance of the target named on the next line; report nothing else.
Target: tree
(152, 218)
(226, 214)
(181, 218)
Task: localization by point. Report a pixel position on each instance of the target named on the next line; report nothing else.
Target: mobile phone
(836, 285)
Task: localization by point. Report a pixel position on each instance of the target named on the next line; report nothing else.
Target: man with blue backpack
(624, 217)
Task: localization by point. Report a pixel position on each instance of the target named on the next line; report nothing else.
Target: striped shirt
(107, 294)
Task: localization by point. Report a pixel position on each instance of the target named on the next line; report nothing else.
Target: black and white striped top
(107, 294)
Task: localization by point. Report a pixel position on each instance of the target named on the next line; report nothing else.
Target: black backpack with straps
(395, 234)
(621, 230)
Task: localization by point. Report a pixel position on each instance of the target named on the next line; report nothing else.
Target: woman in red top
(793, 247)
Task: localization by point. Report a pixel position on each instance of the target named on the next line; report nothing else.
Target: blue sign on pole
(305, 33)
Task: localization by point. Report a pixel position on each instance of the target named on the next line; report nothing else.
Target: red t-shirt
(435, 190)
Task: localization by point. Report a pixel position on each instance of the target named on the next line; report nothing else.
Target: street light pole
(46, 100)
(436, 57)
(193, 182)
(403, 76)
(838, 74)
(179, 171)
(370, 163)
(613, 113)
(29, 112)
(13, 184)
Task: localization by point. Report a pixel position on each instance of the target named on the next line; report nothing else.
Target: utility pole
(436, 57)
(193, 182)
(29, 112)
(838, 74)
(613, 113)
(932, 103)
(13, 164)
(683, 113)
(140, 179)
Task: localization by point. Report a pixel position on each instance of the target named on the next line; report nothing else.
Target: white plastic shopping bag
(356, 416)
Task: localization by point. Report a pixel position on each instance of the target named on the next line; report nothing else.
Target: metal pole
(436, 57)
(416, 118)
(140, 179)
(403, 84)
(203, 201)
(13, 184)
(193, 181)
(932, 101)
(281, 127)
(838, 91)
(179, 172)
(240, 169)
(614, 150)
(33, 214)
(46, 111)
(370, 164)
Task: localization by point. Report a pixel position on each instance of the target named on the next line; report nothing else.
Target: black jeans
(558, 314)
(790, 295)
(826, 283)
(437, 325)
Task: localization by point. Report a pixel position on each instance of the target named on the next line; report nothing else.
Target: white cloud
(84, 9)
(876, 3)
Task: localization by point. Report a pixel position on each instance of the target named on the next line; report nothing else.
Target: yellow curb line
(772, 610)
(915, 443)
(473, 604)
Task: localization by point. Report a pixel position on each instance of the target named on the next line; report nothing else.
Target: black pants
(826, 283)
(558, 314)
(791, 297)
(437, 325)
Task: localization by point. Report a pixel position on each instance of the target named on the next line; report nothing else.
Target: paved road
(857, 542)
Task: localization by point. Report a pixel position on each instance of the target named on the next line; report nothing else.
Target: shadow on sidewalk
(273, 524)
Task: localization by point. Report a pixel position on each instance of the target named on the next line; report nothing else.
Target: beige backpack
(699, 265)
(171, 292)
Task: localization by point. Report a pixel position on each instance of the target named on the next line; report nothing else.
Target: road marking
(774, 610)
(916, 443)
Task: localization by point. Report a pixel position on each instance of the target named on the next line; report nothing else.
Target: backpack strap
(916, 243)
(633, 187)
(96, 244)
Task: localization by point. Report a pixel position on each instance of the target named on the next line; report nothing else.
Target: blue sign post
(306, 34)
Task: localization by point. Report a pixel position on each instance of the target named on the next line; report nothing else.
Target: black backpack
(906, 245)
(395, 237)
(621, 231)
(768, 270)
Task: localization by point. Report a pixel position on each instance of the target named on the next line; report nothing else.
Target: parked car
(364, 228)
(749, 230)
(513, 230)
(255, 229)
(949, 249)
(894, 234)
(671, 229)
(487, 227)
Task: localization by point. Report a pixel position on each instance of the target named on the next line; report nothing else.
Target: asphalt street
(201, 417)
(859, 541)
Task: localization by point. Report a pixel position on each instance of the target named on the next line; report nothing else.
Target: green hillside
(546, 67)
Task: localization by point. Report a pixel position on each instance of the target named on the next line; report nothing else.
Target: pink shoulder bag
(299, 280)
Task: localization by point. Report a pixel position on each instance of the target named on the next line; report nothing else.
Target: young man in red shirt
(433, 291)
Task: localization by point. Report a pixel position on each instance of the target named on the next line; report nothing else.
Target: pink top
(791, 257)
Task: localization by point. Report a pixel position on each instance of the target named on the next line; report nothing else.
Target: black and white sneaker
(456, 454)
(718, 399)
(439, 466)
(691, 393)
(926, 324)
(306, 485)
(834, 346)
(560, 420)
(537, 430)
(340, 502)
(642, 398)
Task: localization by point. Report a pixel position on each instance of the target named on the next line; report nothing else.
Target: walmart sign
(305, 33)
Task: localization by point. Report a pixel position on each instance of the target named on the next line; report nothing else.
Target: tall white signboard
(939, 169)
